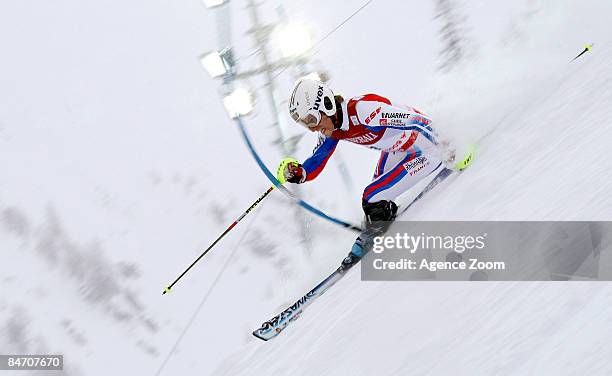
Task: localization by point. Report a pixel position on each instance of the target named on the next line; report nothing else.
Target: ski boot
(378, 217)
(357, 251)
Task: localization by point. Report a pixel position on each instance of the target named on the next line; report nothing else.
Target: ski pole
(277, 182)
(587, 48)
(169, 287)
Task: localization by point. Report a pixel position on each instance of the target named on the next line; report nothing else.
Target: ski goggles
(310, 120)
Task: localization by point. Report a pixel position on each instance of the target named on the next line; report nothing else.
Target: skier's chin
(327, 132)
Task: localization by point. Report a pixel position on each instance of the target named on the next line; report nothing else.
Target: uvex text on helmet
(309, 97)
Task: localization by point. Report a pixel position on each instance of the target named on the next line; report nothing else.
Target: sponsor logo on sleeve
(395, 115)
(354, 120)
(398, 116)
(398, 122)
(372, 115)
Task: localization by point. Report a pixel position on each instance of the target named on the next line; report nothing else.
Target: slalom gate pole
(169, 287)
(284, 190)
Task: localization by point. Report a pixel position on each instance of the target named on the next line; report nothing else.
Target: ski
(278, 323)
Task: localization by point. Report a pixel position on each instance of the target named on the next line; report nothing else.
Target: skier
(409, 147)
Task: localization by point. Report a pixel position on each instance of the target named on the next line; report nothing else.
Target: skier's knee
(379, 211)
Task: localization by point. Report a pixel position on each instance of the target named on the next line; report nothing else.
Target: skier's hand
(290, 170)
(294, 173)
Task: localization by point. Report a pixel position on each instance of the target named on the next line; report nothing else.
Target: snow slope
(118, 165)
(544, 156)
(110, 186)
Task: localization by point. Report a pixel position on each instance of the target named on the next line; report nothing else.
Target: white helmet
(308, 97)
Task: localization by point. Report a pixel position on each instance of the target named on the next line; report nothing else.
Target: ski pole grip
(280, 172)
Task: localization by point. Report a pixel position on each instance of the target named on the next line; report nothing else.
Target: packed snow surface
(118, 166)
